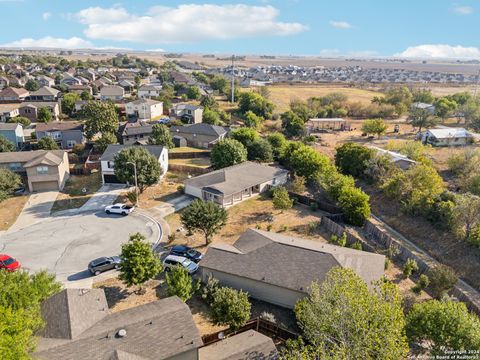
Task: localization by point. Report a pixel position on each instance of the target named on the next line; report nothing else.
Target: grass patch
(10, 209)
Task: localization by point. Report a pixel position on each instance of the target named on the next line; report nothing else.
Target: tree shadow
(115, 294)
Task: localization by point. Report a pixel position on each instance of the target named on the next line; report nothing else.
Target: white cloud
(46, 15)
(463, 10)
(330, 52)
(156, 50)
(185, 23)
(441, 51)
(50, 42)
(340, 24)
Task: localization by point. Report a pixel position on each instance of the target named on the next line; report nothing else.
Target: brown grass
(10, 209)
(203, 162)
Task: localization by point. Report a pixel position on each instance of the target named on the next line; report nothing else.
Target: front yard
(10, 209)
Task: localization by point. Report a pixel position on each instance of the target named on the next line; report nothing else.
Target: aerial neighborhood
(189, 207)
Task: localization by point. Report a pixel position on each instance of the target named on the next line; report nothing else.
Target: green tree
(466, 214)
(230, 307)
(68, 103)
(211, 117)
(422, 119)
(22, 120)
(281, 199)
(278, 142)
(307, 162)
(6, 145)
(228, 152)
(105, 140)
(423, 95)
(32, 85)
(193, 93)
(44, 115)
(374, 126)
(180, 283)
(260, 150)
(86, 96)
(441, 326)
(355, 205)
(47, 143)
(256, 103)
(139, 262)
(251, 120)
(206, 217)
(101, 117)
(9, 181)
(444, 107)
(245, 135)
(345, 318)
(148, 168)
(209, 102)
(409, 268)
(352, 158)
(442, 279)
(161, 136)
(292, 124)
(219, 83)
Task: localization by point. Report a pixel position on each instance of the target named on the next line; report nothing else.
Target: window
(15, 166)
(42, 170)
(274, 181)
(71, 143)
(110, 164)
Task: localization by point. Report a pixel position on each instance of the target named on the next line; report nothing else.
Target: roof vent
(122, 333)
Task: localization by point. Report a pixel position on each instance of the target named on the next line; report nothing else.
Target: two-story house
(112, 92)
(149, 91)
(65, 133)
(44, 80)
(8, 111)
(144, 109)
(187, 113)
(44, 94)
(13, 132)
(198, 135)
(30, 109)
(136, 132)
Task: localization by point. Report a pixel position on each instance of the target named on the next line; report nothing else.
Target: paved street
(66, 244)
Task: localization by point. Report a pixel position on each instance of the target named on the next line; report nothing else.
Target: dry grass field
(10, 209)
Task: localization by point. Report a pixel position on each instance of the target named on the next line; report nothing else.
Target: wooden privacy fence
(308, 200)
(189, 155)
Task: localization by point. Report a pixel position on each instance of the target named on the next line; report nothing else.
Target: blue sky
(412, 28)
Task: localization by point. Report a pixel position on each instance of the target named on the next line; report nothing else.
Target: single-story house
(149, 91)
(235, 183)
(13, 94)
(430, 108)
(199, 135)
(279, 269)
(112, 92)
(402, 161)
(144, 109)
(30, 109)
(108, 160)
(42, 170)
(136, 132)
(187, 113)
(13, 132)
(79, 325)
(65, 133)
(70, 80)
(447, 136)
(43, 94)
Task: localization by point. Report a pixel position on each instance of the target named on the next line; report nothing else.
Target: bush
(281, 199)
(171, 238)
(268, 317)
(352, 158)
(374, 126)
(269, 227)
(409, 268)
(283, 228)
(180, 283)
(230, 307)
(297, 185)
(78, 149)
(260, 150)
(132, 197)
(339, 241)
(181, 189)
(355, 206)
(209, 289)
(228, 152)
(357, 245)
(422, 283)
(442, 279)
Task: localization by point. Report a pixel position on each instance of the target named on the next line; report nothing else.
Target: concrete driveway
(106, 195)
(36, 209)
(65, 245)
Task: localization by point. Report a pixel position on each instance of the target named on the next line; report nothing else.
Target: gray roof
(187, 107)
(145, 101)
(157, 330)
(112, 150)
(27, 156)
(288, 262)
(137, 128)
(236, 178)
(9, 126)
(249, 345)
(45, 91)
(59, 126)
(200, 129)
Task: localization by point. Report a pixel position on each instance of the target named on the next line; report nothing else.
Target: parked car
(164, 120)
(97, 266)
(8, 263)
(174, 260)
(187, 252)
(122, 209)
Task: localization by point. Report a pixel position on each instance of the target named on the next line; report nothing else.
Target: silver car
(174, 260)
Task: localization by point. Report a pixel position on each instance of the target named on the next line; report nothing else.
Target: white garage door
(45, 186)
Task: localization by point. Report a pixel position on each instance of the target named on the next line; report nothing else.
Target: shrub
(442, 279)
(355, 206)
(230, 307)
(352, 158)
(181, 189)
(281, 199)
(284, 228)
(374, 126)
(269, 227)
(422, 283)
(297, 185)
(388, 262)
(180, 283)
(409, 268)
(339, 241)
(171, 238)
(357, 245)
(132, 196)
(209, 289)
(265, 315)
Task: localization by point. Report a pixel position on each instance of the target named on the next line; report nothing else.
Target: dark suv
(188, 252)
(97, 266)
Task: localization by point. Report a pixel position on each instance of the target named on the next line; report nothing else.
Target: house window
(42, 170)
(110, 164)
(15, 166)
(71, 143)
(274, 181)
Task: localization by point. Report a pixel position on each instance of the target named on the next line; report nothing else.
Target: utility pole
(233, 79)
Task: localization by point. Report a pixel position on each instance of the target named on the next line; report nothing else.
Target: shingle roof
(144, 101)
(114, 149)
(59, 126)
(9, 126)
(236, 178)
(200, 129)
(45, 91)
(155, 331)
(47, 158)
(26, 156)
(248, 345)
(137, 128)
(11, 91)
(289, 262)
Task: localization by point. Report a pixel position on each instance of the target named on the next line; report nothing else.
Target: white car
(173, 260)
(122, 209)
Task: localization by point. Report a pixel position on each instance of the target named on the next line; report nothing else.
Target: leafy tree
(281, 199)
(297, 185)
(292, 124)
(161, 136)
(466, 214)
(101, 117)
(374, 126)
(22, 120)
(333, 182)
(211, 117)
(47, 143)
(9, 181)
(180, 283)
(442, 279)
(256, 103)
(245, 135)
(302, 109)
(409, 268)
(105, 140)
(440, 326)
(68, 103)
(193, 93)
(86, 96)
(251, 120)
(260, 150)
(400, 98)
(422, 119)
(220, 83)
(230, 307)
(228, 152)
(354, 204)
(206, 217)
(343, 317)
(32, 85)
(278, 142)
(209, 102)
(352, 158)
(139, 262)
(423, 95)
(6, 145)
(444, 107)
(148, 168)
(306, 162)
(44, 115)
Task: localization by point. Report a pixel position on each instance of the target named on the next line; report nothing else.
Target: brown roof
(26, 156)
(47, 158)
(59, 126)
(11, 91)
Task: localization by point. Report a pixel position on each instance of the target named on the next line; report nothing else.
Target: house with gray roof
(187, 113)
(279, 269)
(149, 91)
(45, 93)
(65, 133)
(13, 132)
(107, 160)
(198, 135)
(235, 183)
(137, 132)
